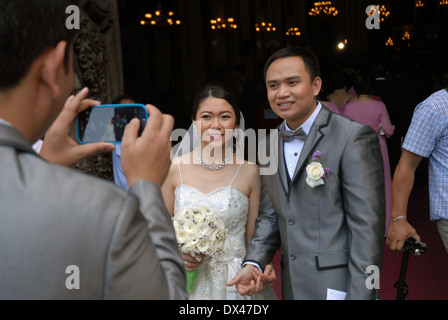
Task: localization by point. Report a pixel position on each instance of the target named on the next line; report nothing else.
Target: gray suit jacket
(331, 234)
(52, 217)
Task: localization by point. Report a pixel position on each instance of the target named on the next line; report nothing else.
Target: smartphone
(106, 123)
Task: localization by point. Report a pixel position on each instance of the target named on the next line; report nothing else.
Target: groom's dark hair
(308, 56)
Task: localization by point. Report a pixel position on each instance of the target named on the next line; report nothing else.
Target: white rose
(182, 236)
(188, 249)
(203, 245)
(315, 173)
(193, 240)
(177, 226)
(190, 227)
(202, 230)
(199, 217)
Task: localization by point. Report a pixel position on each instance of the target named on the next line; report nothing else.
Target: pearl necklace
(207, 167)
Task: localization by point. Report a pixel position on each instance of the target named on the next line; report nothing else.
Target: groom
(325, 206)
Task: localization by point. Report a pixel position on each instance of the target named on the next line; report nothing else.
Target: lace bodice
(229, 204)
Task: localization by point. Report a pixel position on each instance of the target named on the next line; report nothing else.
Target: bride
(208, 170)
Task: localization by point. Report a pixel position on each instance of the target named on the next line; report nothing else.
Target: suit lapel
(314, 138)
(282, 170)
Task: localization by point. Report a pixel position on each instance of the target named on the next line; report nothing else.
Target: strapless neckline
(214, 191)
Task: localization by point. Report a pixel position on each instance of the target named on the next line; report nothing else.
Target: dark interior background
(167, 65)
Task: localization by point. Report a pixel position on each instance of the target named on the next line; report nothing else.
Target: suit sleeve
(143, 259)
(364, 203)
(266, 238)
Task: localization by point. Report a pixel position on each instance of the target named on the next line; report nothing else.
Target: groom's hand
(248, 281)
(269, 276)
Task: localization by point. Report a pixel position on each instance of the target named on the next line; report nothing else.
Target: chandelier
(222, 23)
(384, 13)
(419, 3)
(293, 32)
(265, 26)
(389, 42)
(160, 19)
(323, 7)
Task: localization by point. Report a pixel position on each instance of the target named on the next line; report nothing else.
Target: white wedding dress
(231, 206)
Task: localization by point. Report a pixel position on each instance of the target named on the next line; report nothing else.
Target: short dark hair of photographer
(27, 29)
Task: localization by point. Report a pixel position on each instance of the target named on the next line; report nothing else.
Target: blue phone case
(113, 106)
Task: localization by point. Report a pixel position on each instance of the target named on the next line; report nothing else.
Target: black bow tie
(289, 135)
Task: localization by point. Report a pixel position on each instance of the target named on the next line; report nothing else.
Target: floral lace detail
(231, 206)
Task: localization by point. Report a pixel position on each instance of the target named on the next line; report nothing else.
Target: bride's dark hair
(217, 91)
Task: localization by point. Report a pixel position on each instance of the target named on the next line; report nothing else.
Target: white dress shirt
(293, 149)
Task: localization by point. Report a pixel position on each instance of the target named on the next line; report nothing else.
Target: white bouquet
(199, 232)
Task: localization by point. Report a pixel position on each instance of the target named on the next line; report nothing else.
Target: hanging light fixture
(389, 42)
(323, 7)
(384, 13)
(160, 19)
(293, 32)
(223, 23)
(419, 3)
(265, 27)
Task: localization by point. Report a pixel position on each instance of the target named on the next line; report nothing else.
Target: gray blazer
(328, 235)
(52, 217)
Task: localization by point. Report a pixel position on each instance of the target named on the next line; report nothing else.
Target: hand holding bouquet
(199, 232)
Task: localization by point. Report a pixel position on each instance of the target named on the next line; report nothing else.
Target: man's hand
(402, 184)
(398, 233)
(58, 146)
(269, 277)
(147, 157)
(248, 281)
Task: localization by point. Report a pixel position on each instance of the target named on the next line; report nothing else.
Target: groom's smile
(291, 92)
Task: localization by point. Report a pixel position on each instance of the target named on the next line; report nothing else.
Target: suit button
(291, 222)
(292, 257)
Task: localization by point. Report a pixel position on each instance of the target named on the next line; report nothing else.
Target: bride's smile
(215, 117)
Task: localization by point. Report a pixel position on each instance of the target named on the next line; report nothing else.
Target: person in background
(427, 137)
(337, 95)
(373, 113)
(119, 177)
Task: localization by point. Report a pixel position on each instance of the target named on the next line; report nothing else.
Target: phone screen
(106, 123)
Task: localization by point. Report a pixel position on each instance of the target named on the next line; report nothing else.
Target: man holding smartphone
(53, 220)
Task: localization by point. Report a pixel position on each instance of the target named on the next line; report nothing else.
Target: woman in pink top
(336, 92)
(373, 113)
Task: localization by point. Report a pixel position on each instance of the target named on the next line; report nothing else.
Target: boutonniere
(317, 173)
